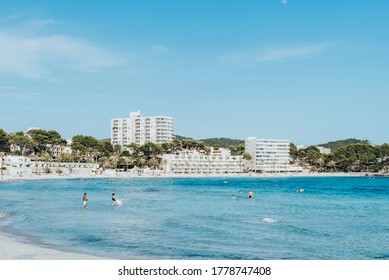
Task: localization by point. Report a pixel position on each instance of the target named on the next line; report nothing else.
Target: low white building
(325, 151)
(270, 155)
(193, 162)
(20, 166)
(16, 166)
(322, 150)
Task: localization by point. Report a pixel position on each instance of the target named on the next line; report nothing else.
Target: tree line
(49, 145)
(359, 157)
(334, 145)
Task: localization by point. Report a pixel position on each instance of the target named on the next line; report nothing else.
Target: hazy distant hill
(179, 137)
(334, 145)
(221, 142)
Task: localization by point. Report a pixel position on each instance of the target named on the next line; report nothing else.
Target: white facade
(20, 166)
(269, 155)
(194, 162)
(325, 151)
(140, 130)
(16, 165)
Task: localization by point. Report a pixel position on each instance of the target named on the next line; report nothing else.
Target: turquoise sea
(334, 218)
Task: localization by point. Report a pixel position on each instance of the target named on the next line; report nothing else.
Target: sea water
(196, 218)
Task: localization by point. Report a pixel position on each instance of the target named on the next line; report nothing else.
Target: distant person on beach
(251, 194)
(84, 201)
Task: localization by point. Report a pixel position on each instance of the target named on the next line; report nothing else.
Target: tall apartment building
(270, 155)
(140, 130)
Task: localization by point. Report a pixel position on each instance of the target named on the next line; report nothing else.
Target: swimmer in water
(251, 194)
(84, 201)
(233, 197)
(113, 199)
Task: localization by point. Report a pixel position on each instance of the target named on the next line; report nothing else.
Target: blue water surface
(196, 218)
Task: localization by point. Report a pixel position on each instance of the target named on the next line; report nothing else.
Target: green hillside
(222, 142)
(335, 145)
(179, 137)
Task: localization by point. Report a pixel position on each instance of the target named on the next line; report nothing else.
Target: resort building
(193, 162)
(20, 166)
(270, 155)
(325, 151)
(322, 150)
(140, 130)
(16, 166)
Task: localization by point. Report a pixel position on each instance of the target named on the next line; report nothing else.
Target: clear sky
(303, 70)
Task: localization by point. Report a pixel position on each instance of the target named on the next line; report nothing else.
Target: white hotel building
(270, 155)
(140, 130)
(193, 162)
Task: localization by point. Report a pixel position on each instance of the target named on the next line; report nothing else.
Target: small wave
(381, 257)
(89, 239)
(4, 215)
(151, 190)
(269, 220)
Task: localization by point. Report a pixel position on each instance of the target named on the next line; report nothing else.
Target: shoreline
(12, 247)
(128, 175)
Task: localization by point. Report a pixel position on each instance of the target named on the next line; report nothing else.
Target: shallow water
(334, 218)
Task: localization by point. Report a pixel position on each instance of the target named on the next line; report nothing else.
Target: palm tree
(127, 162)
(123, 161)
(104, 162)
(153, 163)
(141, 162)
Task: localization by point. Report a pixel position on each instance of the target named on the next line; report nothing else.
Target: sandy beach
(13, 248)
(130, 175)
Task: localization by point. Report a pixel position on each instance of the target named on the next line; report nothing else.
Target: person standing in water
(84, 201)
(113, 199)
(251, 194)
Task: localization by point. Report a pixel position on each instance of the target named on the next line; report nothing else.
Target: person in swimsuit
(251, 194)
(113, 199)
(84, 201)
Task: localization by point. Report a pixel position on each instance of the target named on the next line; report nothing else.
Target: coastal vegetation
(221, 142)
(360, 157)
(350, 155)
(335, 145)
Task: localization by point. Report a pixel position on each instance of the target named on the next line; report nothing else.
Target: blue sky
(308, 71)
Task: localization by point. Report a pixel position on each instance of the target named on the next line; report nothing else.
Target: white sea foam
(4, 215)
(269, 220)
